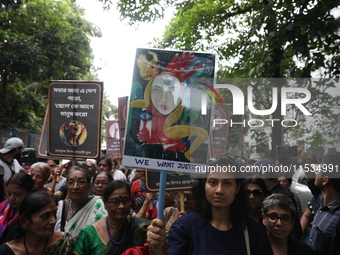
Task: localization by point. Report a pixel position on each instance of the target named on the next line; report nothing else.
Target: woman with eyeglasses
(100, 181)
(278, 215)
(218, 223)
(116, 232)
(256, 192)
(80, 209)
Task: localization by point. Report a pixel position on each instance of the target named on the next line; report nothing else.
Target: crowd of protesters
(101, 207)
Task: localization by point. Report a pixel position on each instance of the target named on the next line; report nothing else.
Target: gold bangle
(50, 190)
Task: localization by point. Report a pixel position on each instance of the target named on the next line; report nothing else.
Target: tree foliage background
(255, 39)
(40, 40)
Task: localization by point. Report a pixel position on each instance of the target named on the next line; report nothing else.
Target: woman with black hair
(286, 182)
(109, 164)
(99, 181)
(256, 192)
(219, 223)
(116, 232)
(17, 188)
(36, 234)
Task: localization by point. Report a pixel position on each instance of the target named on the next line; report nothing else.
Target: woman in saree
(17, 188)
(116, 232)
(80, 210)
(36, 234)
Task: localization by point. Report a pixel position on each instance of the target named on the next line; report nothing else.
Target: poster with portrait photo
(74, 123)
(113, 138)
(169, 110)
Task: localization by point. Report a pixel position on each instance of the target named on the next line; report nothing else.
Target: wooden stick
(57, 176)
(151, 205)
(181, 200)
(151, 202)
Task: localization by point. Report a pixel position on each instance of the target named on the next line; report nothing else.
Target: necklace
(26, 246)
(70, 202)
(109, 233)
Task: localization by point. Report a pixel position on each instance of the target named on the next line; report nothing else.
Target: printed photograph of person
(114, 131)
(73, 133)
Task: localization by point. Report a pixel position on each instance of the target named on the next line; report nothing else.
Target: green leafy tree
(39, 41)
(253, 39)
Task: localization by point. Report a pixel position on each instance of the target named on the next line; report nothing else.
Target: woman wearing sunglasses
(116, 232)
(256, 192)
(279, 214)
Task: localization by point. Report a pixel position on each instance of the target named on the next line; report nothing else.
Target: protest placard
(174, 181)
(169, 113)
(74, 128)
(113, 138)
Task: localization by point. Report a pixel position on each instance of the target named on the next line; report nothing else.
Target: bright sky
(115, 51)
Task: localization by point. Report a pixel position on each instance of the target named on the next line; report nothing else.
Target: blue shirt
(323, 227)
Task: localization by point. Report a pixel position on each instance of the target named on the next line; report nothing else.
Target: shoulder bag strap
(63, 216)
(246, 237)
(169, 215)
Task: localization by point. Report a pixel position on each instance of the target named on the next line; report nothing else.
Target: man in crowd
(9, 165)
(325, 224)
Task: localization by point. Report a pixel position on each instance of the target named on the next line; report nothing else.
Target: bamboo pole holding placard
(151, 202)
(181, 200)
(162, 183)
(74, 161)
(57, 177)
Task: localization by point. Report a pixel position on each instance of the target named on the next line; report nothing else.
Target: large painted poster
(220, 129)
(169, 110)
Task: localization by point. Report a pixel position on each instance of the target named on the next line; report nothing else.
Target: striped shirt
(323, 227)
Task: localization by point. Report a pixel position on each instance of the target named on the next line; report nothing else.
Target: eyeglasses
(273, 218)
(81, 183)
(257, 193)
(99, 182)
(116, 202)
